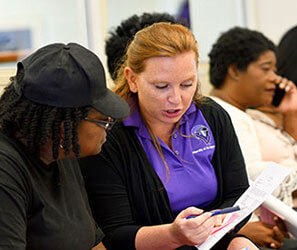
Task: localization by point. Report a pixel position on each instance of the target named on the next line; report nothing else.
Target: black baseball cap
(69, 75)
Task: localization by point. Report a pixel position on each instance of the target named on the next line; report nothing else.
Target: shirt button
(174, 136)
(176, 152)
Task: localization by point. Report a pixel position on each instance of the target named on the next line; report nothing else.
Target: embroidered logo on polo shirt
(201, 132)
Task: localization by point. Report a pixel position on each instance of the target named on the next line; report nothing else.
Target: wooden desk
(5, 73)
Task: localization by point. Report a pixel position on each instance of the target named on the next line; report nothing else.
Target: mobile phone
(278, 95)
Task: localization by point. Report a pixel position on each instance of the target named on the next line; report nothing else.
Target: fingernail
(287, 88)
(281, 85)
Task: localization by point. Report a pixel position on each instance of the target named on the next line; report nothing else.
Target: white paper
(253, 197)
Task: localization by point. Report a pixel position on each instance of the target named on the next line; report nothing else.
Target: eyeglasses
(101, 123)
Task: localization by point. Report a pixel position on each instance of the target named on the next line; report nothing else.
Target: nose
(273, 77)
(175, 96)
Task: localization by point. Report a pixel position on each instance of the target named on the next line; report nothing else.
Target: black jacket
(125, 192)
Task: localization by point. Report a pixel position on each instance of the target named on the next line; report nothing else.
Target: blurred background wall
(26, 25)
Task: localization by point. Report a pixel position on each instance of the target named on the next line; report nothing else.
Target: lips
(172, 112)
(270, 89)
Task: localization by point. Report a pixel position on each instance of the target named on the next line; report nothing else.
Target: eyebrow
(162, 81)
(267, 62)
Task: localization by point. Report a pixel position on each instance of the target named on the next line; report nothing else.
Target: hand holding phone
(278, 95)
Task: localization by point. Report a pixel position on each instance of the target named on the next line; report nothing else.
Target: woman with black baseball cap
(56, 107)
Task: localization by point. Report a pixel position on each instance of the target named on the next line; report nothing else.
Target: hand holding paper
(264, 185)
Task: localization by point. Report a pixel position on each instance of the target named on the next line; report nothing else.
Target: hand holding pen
(187, 231)
(220, 211)
(194, 231)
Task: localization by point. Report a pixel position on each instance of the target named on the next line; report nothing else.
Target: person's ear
(233, 72)
(131, 79)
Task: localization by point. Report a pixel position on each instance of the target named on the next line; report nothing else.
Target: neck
(225, 96)
(268, 110)
(277, 117)
(159, 129)
(45, 150)
(46, 154)
(163, 132)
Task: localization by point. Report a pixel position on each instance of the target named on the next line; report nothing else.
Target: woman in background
(277, 135)
(287, 55)
(121, 36)
(242, 71)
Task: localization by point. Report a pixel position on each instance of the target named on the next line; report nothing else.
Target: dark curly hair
(287, 55)
(239, 47)
(21, 118)
(119, 39)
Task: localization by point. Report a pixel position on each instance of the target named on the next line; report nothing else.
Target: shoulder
(212, 111)
(218, 119)
(14, 175)
(121, 135)
(209, 104)
(238, 116)
(257, 115)
(10, 153)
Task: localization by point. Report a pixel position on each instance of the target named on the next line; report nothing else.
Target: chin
(94, 152)
(174, 120)
(98, 150)
(267, 102)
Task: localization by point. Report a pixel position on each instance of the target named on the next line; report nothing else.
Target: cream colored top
(275, 144)
(249, 142)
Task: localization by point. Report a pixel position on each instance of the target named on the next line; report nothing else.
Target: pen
(221, 211)
(225, 210)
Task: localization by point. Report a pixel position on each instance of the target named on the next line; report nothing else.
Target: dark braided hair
(116, 44)
(238, 46)
(35, 123)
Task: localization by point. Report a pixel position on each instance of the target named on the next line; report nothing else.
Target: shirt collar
(135, 120)
(186, 117)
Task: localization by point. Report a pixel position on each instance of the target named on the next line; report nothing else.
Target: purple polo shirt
(192, 180)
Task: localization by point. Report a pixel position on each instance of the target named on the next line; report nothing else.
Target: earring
(61, 146)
